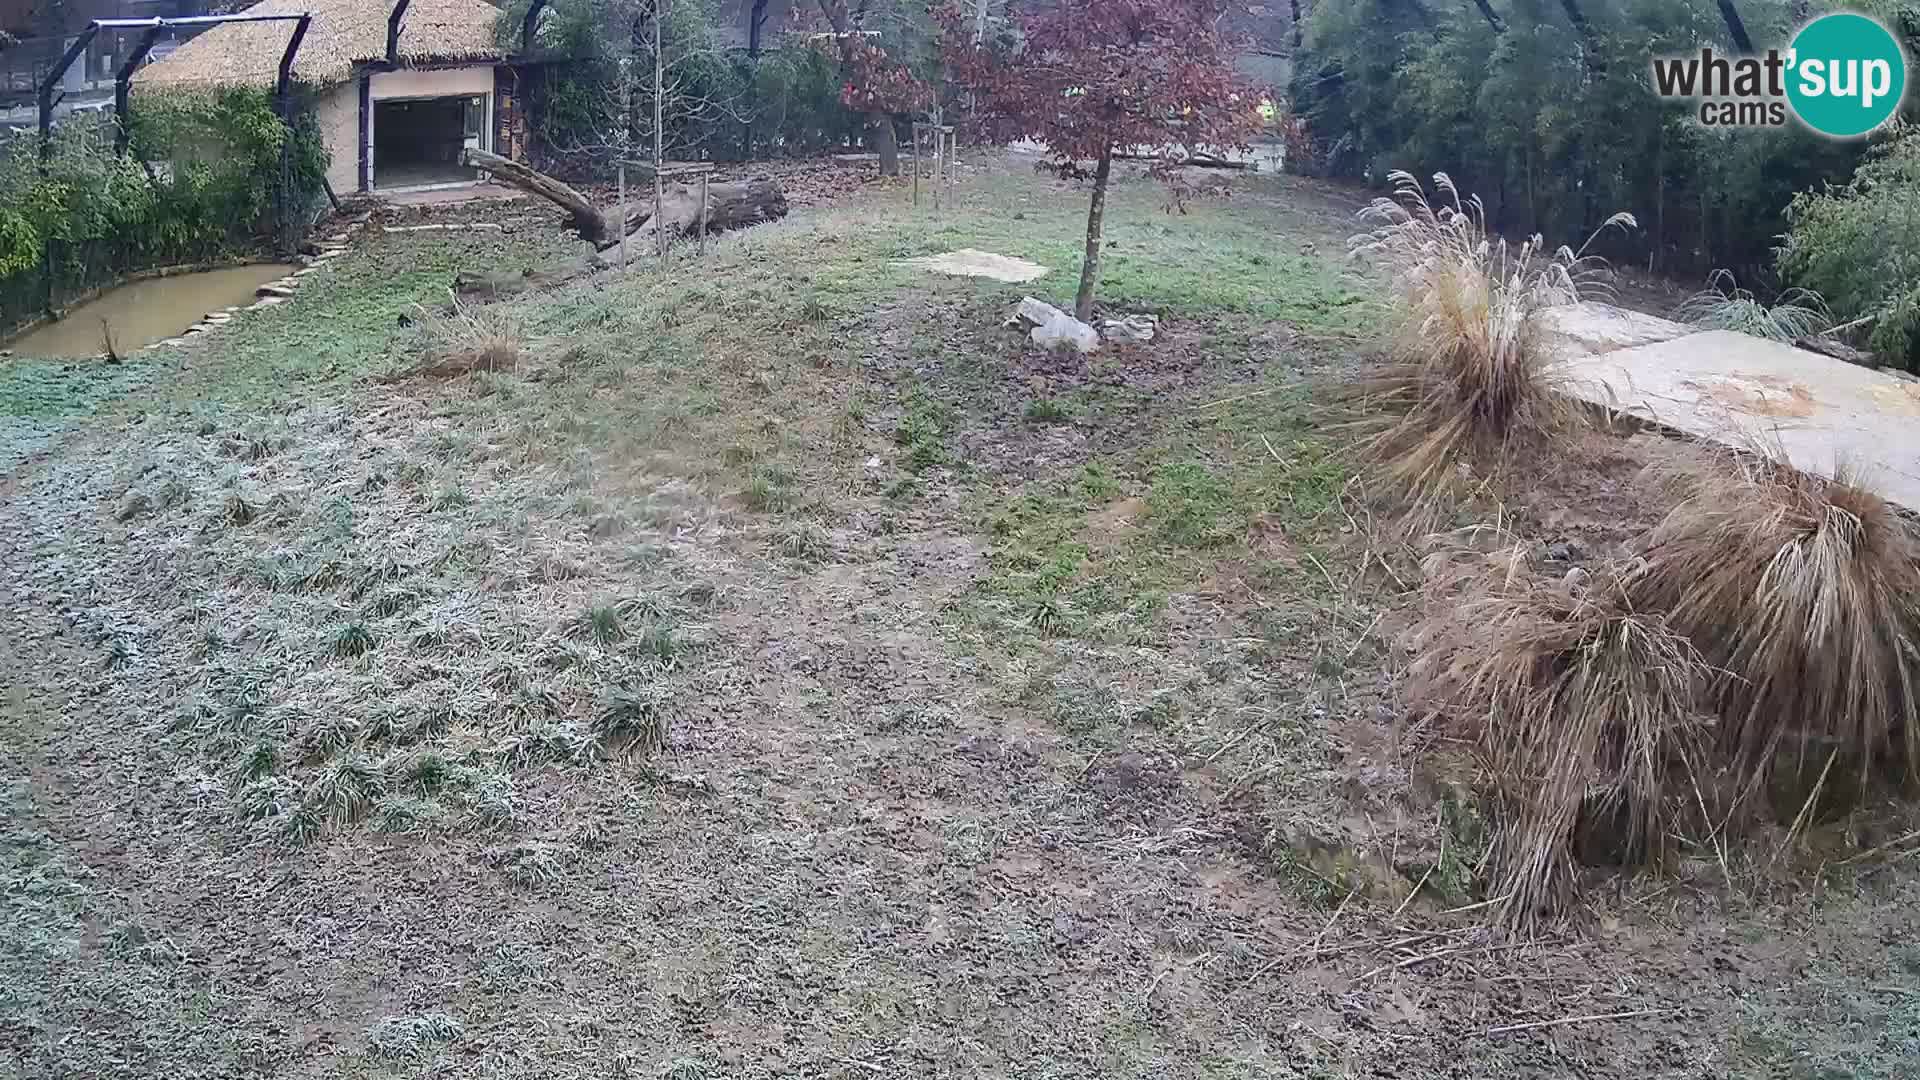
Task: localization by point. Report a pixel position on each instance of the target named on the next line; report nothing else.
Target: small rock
(1567, 551)
(1576, 581)
(1132, 330)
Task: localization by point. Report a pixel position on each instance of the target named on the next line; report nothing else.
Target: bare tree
(649, 100)
(649, 109)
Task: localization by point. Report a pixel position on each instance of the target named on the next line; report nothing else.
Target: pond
(143, 312)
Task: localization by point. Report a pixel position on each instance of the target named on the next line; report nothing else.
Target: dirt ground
(1019, 715)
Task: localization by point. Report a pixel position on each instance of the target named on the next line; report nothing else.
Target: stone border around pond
(275, 292)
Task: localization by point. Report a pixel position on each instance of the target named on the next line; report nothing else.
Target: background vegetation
(1546, 110)
(725, 101)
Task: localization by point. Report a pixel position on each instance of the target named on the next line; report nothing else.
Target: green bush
(204, 178)
(1859, 246)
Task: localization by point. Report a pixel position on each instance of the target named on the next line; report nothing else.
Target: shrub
(1724, 305)
(1580, 706)
(1859, 246)
(215, 187)
(1468, 377)
(1807, 593)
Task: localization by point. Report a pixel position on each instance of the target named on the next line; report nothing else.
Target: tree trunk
(1589, 43)
(1735, 27)
(886, 143)
(585, 218)
(756, 22)
(729, 206)
(659, 131)
(1298, 34)
(1096, 222)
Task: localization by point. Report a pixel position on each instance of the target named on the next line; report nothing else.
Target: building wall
(339, 114)
(1270, 72)
(442, 82)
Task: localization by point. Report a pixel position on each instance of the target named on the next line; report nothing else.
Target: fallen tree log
(584, 218)
(1196, 161)
(730, 206)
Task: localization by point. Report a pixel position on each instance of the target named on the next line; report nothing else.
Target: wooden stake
(703, 213)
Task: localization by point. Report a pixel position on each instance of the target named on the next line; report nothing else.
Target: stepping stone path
(277, 292)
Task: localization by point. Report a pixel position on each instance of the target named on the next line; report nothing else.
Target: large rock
(1055, 329)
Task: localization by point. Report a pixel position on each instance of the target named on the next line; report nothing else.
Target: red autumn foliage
(1088, 77)
(1092, 78)
(875, 82)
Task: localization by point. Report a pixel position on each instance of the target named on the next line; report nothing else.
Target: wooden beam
(123, 87)
(394, 20)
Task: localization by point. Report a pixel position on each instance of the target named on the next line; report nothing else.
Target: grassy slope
(1019, 711)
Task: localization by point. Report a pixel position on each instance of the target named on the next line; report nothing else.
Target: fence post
(123, 87)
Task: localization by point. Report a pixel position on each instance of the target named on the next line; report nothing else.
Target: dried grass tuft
(1806, 591)
(463, 341)
(1469, 379)
(1581, 709)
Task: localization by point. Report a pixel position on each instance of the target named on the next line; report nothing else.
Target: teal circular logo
(1846, 75)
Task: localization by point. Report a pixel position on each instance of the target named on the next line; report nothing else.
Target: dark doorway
(417, 141)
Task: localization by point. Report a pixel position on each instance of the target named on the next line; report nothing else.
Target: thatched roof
(344, 33)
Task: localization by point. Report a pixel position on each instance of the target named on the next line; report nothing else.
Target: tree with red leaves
(873, 81)
(1093, 78)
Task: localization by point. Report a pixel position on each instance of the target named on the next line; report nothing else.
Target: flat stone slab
(1746, 392)
(968, 262)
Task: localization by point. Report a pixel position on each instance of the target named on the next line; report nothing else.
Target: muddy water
(147, 311)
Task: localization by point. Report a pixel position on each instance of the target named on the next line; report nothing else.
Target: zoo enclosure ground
(1022, 715)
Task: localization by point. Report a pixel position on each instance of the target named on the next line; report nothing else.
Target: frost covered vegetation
(774, 667)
